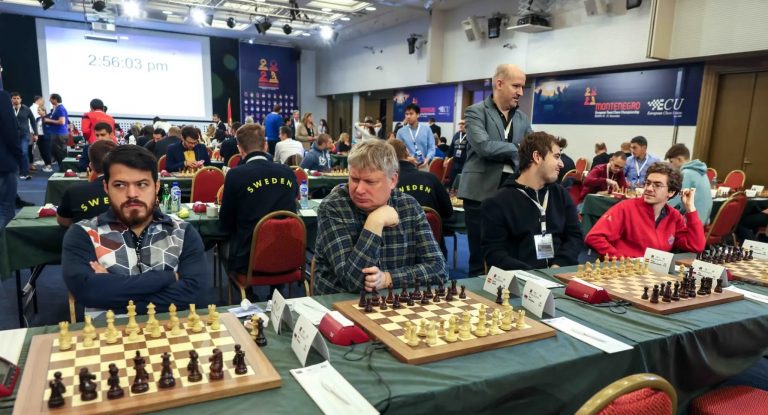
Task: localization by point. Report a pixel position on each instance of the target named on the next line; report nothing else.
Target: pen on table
(333, 392)
(591, 336)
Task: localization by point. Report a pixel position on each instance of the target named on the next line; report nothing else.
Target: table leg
(19, 298)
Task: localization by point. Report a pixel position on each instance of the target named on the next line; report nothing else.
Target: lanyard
(542, 208)
(461, 138)
(641, 167)
(17, 110)
(410, 130)
(256, 158)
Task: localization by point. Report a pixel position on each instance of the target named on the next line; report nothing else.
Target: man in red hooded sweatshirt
(629, 227)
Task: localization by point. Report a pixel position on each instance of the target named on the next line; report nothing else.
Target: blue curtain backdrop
(434, 101)
(268, 76)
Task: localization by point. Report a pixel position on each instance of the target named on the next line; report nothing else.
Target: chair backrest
(216, 155)
(92, 176)
(233, 161)
(309, 285)
(728, 216)
(210, 152)
(644, 393)
(711, 173)
(205, 184)
(294, 160)
(570, 174)
(436, 168)
(447, 167)
(435, 223)
(278, 245)
(575, 191)
(735, 180)
(219, 194)
(161, 163)
(581, 166)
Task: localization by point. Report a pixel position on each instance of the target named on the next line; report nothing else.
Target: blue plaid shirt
(407, 251)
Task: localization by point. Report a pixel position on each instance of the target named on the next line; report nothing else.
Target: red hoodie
(628, 228)
(90, 119)
(596, 181)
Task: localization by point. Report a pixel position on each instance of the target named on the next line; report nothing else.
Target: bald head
(508, 84)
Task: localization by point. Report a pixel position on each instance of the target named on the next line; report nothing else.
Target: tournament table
(596, 205)
(694, 350)
(70, 163)
(74, 151)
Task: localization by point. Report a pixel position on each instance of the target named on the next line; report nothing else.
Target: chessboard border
(35, 372)
(661, 307)
(407, 354)
(752, 280)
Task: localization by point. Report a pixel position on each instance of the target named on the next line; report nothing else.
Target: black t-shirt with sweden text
(84, 201)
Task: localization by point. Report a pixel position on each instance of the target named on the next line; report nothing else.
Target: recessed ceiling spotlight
(305, 34)
(168, 12)
(198, 16)
(345, 18)
(370, 9)
(231, 22)
(99, 5)
(326, 32)
(131, 9)
(326, 9)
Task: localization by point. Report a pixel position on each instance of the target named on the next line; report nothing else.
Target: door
(731, 123)
(755, 161)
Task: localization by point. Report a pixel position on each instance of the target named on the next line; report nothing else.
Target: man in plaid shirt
(370, 234)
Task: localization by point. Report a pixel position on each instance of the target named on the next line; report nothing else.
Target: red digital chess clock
(9, 374)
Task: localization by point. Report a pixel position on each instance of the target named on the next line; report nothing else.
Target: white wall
(308, 98)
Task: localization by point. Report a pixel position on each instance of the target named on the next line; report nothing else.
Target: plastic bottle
(166, 198)
(304, 190)
(175, 197)
(713, 184)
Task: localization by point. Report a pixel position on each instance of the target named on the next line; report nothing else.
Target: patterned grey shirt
(407, 251)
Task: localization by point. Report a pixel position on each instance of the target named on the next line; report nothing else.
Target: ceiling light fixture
(231, 22)
(132, 10)
(326, 32)
(306, 34)
(47, 4)
(168, 12)
(99, 5)
(198, 16)
(326, 9)
(209, 19)
(287, 29)
(370, 9)
(345, 19)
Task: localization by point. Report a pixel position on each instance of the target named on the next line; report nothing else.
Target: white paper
(759, 249)
(723, 191)
(527, 276)
(309, 308)
(279, 311)
(587, 335)
(458, 209)
(749, 294)
(659, 261)
(13, 341)
(538, 300)
(497, 278)
(307, 213)
(344, 321)
(757, 188)
(305, 336)
(241, 312)
(331, 391)
(705, 269)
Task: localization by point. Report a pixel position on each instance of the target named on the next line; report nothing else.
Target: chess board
(45, 359)
(456, 202)
(754, 271)
(337, 173)
(389, 327)
(630, 288)
(185, 173)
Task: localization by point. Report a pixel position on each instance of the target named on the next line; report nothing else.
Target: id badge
(544, 247)
(457, 153)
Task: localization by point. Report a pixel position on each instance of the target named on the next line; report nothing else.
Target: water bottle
(166, 198)
(175, 197)
(304, 190)
(713, 185)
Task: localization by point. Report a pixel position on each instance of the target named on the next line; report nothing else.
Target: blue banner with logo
(434, 101)
(668, 96)
(268, 76)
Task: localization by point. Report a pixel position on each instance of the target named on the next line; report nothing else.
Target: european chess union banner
(434, 101)
(668, 96)
(268, 76)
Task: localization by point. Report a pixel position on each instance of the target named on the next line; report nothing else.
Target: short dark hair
(97, 151)
(36, 97)
(619, 154)
(133, 156)
(639, 140)
(540, 142)
(102, 126)
(600, 146)
(159, 131)
(400, 149)
(147, 131)
(15, 94)
(57, 97)
(156, 119)
(286, 130)
(443, 140)
(324, 138)
(431, 119)
(97, 104)
(678, 150)
(276, 108)
(674, 177)
(216, 114)
(251, 137)
(190, 132)
(236, 125)
(413, 107)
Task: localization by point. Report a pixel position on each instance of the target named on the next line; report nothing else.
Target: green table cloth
(693, 349)
(74, 151)
(57, 184)
(70, 163)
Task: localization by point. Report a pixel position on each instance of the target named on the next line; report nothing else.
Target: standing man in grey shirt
(25, 119)
(495, 127)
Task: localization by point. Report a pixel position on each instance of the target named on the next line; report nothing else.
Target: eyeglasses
(656, 185)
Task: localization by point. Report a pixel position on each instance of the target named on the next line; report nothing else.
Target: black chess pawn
(645, 293)
(87, 386)
(390, 294)
(363, 295)
(217, 365)
(667, 295)
(404, 293)
(425, 300)
(691, 287)
(57, 391)
(383, 306)
(463, 293)
(376, 299)
(719, 286)
(397, 305)
(436, 298)
(702, 286)
(410, 302)
(655, 294)
(261, 337)
(428, 292)
(441, 288)
(368, 305)
(676, 292)
(239, 361)
(115, 391)
(449, 295)
(193, 369)
(141, 379)
(684, 289)
(749, 257)
(498, 295)
(166, 373)
(454, 291)
(416, 293)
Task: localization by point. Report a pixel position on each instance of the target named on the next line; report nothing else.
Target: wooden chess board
(184, 173)
(456, 202)
(45, 359)
(630, 288)
(754, 271)
(389, 327)
(337, 173)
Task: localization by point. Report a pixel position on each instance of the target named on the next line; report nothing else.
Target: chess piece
(209, 319)
(404, 293)
(506, 320)
(655, 295)
(111, 334)
(65, 337)
(480, 329)
(215, 322)
(396, 303)
(175, 326)
(151, 320)
(413, 339)
(520, 323)
(702, 286)
(239, 361)
(89, 332)
(155, 331)
(422, 328)
(410, 302)
(464, 329)
(598, 269)
(450, 294)
(425, 299)
(368, 305)
(463, 294)
(645, 293)
(193, 320)
(580, 271)
(667, 294)
(57, 391)
(115, 391)
(133, 334)
(495, 323)
(428, 293)
(166, 373)
(676, 292)
(171, 314)
(254, 327)
(454, 291)
(131, 318)
(451, 335)
(719, 286)
(499, 300)
(684, 289)
(193, 369)
(390, 295)
(416, 293)
(436, 298)
(363, 295)
(383, 306)
(87, 385)
(505, 299)
(217, 365)
(375, 298)
(431, 334)
(441, 288)
(440, 325)
(261, 338)
(140, 380)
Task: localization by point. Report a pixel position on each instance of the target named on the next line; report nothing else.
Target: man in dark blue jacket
(134, 251)
(10, 159)
(318, 157)
(229, 146)
(189, 153)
